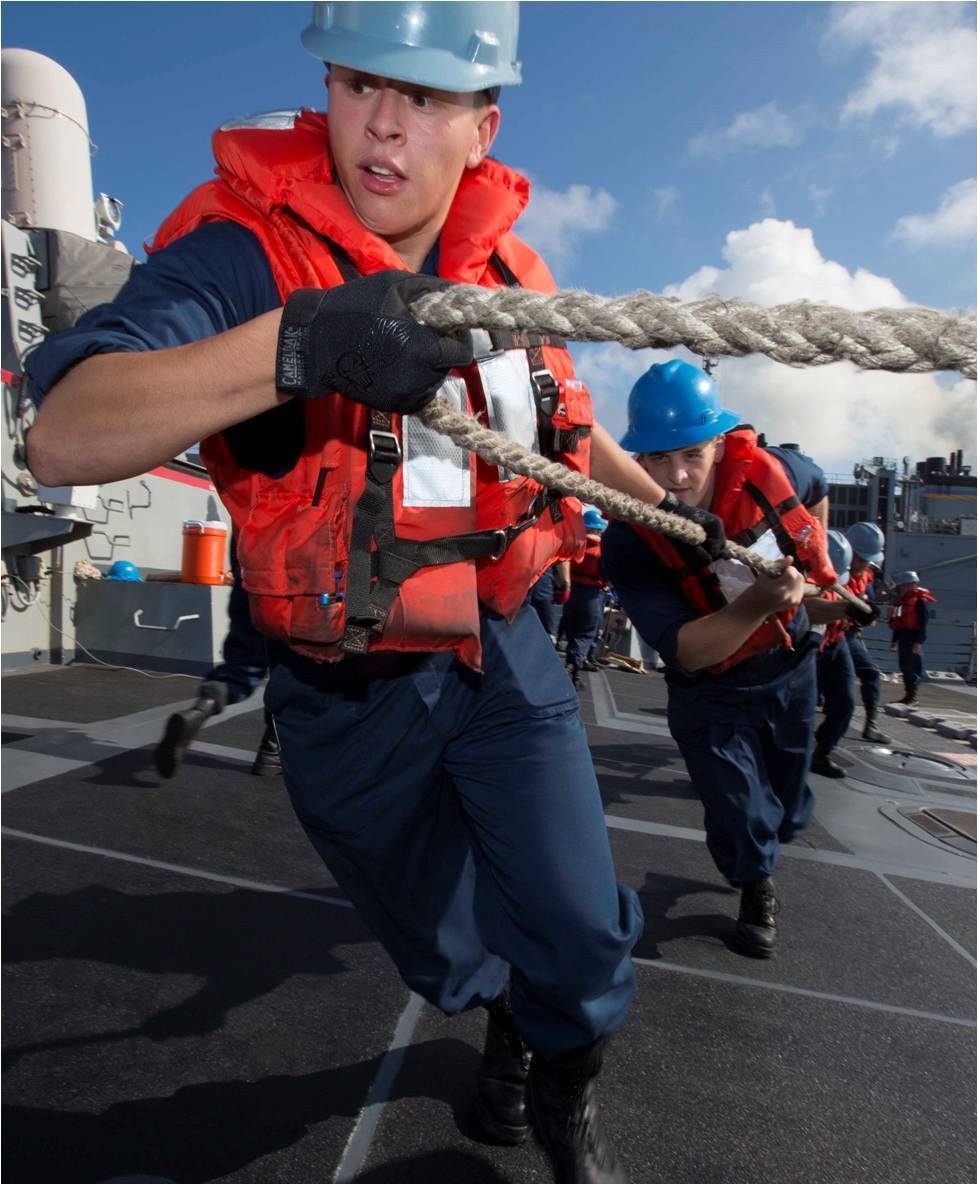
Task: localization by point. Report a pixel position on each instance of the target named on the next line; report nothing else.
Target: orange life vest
(325, 573)
(903, 615)
(587, 570)
(752, 496)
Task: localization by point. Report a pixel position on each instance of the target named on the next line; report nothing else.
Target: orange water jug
(205, 546)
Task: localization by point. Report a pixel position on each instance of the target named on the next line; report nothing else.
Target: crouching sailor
(739, 651)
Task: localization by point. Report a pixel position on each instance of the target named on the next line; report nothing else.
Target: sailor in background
(908, 621)
(584, 612)
(232, 681)
(867, 543)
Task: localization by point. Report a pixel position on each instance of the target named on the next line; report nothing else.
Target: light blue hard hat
(451, 46)
(123, 570)
(866, 540)
(594, 520)
(674, 405)
(908, 577)
(840, 554)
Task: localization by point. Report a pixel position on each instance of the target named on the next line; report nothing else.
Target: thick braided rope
(497, 449)
(909, 340)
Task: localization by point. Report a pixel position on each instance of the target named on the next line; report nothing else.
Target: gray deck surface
(188, 997)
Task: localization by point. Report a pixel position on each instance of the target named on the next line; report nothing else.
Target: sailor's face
(687, 473)
(399, 150)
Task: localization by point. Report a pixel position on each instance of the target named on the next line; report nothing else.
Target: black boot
(909, 699)
(757, 931)
(268, 759)
(182, 727)
(565, 1116)
(500, 1090)
(575, 674)
(871, 732)
(823, 764)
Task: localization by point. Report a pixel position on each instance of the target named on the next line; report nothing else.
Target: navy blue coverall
(746, 734)
(541, 597)
(459, 812)
(837, 688)
(867, 672)
(911, 663)
(582, 621)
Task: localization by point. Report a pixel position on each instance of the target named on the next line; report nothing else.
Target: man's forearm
(709, 640)
(117, 415)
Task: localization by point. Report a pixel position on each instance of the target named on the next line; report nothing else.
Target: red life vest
(587, 570)
(860, 584)
(903, 615)
(313, 581)
(752, 495)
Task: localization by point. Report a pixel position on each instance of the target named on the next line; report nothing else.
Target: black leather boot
(500, 1092)
(182, 727)
(757, 931)
(268, 759)
(871, 732)
(823, 764)
(565, 1116)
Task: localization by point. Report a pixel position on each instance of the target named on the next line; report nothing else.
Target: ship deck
(189, 997)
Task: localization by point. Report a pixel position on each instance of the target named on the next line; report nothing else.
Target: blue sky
(772, 151)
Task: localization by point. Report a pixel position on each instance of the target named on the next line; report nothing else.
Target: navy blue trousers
(541, 597)
(911, 665)
(837, 687)
(747, 750)
(866, 670)
(461, 815)
(582, 621)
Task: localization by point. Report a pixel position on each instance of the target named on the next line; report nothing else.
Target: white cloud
(838, 413)
(772, 262)
(952, 222)
(924, 62)
(555, 221)
(764, 127)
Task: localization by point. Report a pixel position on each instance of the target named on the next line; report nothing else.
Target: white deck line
(182, 869)
(930, 921)
(832, 997)
(379, 1095)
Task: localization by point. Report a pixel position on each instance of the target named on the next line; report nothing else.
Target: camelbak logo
(291, 368)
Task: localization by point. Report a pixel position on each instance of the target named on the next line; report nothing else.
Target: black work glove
(862, 619)
(361, 340)
(712, 547)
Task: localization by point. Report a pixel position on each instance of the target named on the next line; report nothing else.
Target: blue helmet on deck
(123, 570)
(674, 405)
(451, 46)
(594, 520)
(866, 540)
(840, 554)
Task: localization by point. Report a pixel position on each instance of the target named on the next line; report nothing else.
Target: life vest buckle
(383, 455)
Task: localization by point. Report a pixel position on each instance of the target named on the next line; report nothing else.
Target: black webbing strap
(771, 520)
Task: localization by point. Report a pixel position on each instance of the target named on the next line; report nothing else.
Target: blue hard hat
(908, 577)
(123, 570)
(867, 540)
(451, 46)
(674, 405)
(594, 520)
(840, 554)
